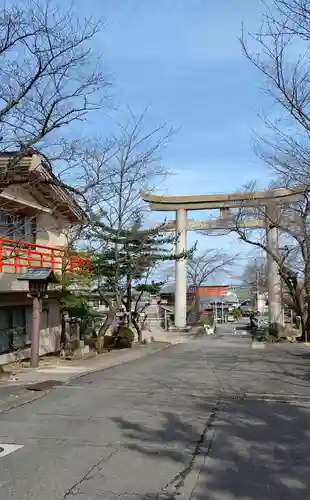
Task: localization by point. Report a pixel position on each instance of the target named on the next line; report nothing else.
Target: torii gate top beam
(222, 201)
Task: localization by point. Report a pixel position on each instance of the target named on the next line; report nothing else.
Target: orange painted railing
(18, 256)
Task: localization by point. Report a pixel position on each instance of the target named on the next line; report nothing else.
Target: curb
(27, 400)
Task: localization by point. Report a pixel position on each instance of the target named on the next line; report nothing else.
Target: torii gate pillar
(180, 305)
(273, 277)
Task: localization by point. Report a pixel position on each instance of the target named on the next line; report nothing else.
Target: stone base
(81, 351)
(257, 345)
(177, 329)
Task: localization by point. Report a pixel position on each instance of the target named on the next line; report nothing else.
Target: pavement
(212, 418)
(15, 390)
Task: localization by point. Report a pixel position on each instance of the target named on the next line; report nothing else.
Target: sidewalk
(55, 368)
(14, 392)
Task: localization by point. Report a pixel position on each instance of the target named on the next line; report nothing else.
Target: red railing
(18, 256)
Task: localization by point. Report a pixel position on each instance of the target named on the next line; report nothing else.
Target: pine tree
(127, 257)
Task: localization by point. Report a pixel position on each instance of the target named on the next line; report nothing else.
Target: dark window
(30, 229)
(17, 227)
(4, 224)
(14, 333)
(4, 331)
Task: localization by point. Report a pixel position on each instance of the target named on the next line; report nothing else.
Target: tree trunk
(104, 328)
(138, 329)
(306, 326)
(306, 329)
(305, 318)
(129, 299)
(65, 332)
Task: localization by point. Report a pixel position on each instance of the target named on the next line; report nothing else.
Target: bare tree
(116, 170)
(281, 54)
(50, 78)
(254, 276)
(113, 174)
(290, 257)
(209, 264)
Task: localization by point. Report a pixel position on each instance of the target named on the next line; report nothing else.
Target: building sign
(219, 290)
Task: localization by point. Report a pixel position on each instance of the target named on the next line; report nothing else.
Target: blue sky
(182, 59)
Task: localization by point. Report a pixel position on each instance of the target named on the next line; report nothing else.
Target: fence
(18, 256)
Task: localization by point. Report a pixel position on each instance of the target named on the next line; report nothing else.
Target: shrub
(272, 333)
(207, 320)
(126, 333)
(108, 341)
(123, 337)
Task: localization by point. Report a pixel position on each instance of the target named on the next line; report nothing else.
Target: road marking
(7, 449)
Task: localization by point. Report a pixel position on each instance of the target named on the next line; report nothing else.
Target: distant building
(211, 297)
(202, 300)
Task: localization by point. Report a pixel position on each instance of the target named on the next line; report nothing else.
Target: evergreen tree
(127, 258)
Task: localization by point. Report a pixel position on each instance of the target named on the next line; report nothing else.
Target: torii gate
(270, 201)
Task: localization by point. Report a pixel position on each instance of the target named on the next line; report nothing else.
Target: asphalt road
(210, 419)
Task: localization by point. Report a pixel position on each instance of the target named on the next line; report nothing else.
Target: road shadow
(255, 449)
(294, 364)
(256, 446)
(259, 451)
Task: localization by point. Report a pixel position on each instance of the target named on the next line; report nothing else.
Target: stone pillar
(260, 302)
(180, 271)
(66, 330)
(273, 278)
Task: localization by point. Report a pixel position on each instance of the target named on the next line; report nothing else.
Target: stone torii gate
(270, 201)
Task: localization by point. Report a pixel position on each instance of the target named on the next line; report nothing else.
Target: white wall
(50, 231)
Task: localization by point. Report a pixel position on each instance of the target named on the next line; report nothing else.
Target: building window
(4, 224)
(4, 331)
(17, 227)
(14, 328)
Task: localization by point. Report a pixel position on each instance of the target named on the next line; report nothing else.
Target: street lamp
(38, 279)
